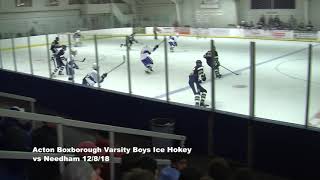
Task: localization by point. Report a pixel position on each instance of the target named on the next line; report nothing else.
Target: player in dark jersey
(59, 60)
(195, 78)
(131, 40)
(213, 61)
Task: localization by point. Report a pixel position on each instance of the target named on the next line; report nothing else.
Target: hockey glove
(104, 75)
(203, 78)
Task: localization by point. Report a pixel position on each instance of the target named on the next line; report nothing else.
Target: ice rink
(281, 72)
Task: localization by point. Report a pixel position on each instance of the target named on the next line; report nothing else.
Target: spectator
(138, 174)
(262, 20)
(243, 174)
(129, 161)
(15, 136)
(190, 174)
(79, 171)
(172, 172)
(301, 27)
(292, 22)
(270, 21)
(219, 169)
(97, 166)
(45, 136)
(309, 27)
(276, 22)
(148, 163)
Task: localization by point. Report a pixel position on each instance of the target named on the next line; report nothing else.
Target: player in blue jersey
(71, 64)
(195, 79)
(77, 38)
(172, 42)
(92, 78)
(146, 59)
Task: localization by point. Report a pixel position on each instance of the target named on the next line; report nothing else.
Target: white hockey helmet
(95, 66)
(73, 51)
(78, 31)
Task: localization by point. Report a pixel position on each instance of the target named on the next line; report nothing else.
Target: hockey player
(131, 40)
(146, 59)
(213, 61)
(172, 42)
(71, 65)
(76, 37)
(55, 45)
(195, 78)
(92, 78)
(59, 60)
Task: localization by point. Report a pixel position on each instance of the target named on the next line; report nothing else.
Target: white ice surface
(281, 72)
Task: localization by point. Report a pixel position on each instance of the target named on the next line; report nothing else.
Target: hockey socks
(203, 98)
(197, 99)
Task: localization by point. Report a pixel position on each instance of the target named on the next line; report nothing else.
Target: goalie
(92, 78)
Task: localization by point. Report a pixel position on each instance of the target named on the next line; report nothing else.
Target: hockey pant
(199, 92)
(88, 81)
(70, 71)
(215, 64)
(172, 45)
(148, 63)
(60, 66)
(77, 41)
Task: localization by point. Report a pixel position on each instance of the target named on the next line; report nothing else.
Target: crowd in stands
(18, 135)
(275, 23)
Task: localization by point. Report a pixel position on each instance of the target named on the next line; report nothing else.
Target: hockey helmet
(57, 38)
(78, 31)
(73, 51)
(95, 66)
(199, 63)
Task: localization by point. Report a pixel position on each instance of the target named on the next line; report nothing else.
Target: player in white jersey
(77, 38)
(92, 78)
(146, 59)
(71, 64)
(172, 42)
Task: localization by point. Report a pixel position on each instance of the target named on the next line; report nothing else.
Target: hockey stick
(81, 60)
(229, 70)
(116, 67)
(160, 43)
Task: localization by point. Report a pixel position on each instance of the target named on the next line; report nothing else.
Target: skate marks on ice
(239, 70)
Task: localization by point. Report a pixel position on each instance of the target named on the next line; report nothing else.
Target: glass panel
(284, 4)
(281, 80)
(7, 58)
(232, 90)
(22, 55)
(147, 84)
(111, 59)
(39, 55)
(85, 58)
(314, 112)
(261, 4)
(23, 3)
